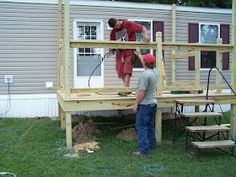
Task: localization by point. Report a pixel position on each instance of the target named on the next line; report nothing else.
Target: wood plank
(233, 70)
(61, 116)
(159, 54)
(112, 44)
(59, 38)
(186, 101)
(103, 90)
(68, 130)
(165, 100)
(67, 62)
(214, 144)
(197, 46)
(185, 86)
(173, 61)
(218, 65)
(158, 126)
(197, 69)
(148, 45)
(184, 54)
(201, 114)
(211, 128)
(226, 125)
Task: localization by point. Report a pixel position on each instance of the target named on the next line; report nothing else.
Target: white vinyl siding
(28, 47)
(182, 21)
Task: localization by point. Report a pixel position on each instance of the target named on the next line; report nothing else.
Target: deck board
(209, 128)
(201, 114)
(214, 144)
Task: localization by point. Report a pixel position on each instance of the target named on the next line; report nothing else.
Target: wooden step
(193, 102)
(213, 144)
(211, 128)
(201, 114)
(226, 125)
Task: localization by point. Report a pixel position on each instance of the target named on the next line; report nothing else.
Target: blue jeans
(145, 127)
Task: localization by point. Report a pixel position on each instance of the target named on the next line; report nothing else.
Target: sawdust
(128, 134)
(89, 147)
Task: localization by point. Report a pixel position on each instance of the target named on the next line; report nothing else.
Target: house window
(209, 33)
(88, 58)
(139, 37)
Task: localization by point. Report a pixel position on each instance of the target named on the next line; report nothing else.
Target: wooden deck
(93, 99)
(82, 100)
(88, 101)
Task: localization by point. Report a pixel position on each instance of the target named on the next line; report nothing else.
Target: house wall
(28, 46)
(183, 18)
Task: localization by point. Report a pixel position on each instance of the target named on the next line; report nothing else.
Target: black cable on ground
(8, 104)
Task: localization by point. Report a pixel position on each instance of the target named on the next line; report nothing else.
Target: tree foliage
(196, 3)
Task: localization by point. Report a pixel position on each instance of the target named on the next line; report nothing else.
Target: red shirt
(127, 32)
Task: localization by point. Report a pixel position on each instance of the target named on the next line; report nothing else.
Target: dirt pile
(85, 131)
(128, 134)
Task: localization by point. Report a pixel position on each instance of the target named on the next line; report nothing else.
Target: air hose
(104, 56)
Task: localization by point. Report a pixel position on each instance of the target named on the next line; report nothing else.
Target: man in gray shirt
(146, 104)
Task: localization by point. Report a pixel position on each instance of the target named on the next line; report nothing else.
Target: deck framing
(73, 100)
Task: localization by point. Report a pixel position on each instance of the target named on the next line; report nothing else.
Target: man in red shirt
(124, 30)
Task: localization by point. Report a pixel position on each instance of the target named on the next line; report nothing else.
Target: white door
(88, 69)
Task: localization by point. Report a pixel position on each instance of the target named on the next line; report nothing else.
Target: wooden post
(61, 115)
(159, 125)
(159, 55)
(67, 64)
(59, 35)
(68, 130)
(197, 70)
(61, 73)
(173, 59)
(233, 70)
(159, 62)
(218, 65)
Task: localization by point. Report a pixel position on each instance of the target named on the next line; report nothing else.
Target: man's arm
(139, 55)
(139, 29)
(112, 35)
(145, 34)
(139, 98)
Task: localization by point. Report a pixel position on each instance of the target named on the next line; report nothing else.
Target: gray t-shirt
(147, 82)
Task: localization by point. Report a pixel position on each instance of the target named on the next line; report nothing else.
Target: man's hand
(113, 51)
(145, 38)
(135, 108)
(145, 34)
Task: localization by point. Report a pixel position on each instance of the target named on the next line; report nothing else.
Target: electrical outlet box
(8, 78)
(49, 84)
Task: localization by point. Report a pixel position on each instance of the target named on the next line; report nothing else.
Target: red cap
(148, 58)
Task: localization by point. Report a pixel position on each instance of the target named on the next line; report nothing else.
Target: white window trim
(151, 38)
(75, 50)
(199, 39)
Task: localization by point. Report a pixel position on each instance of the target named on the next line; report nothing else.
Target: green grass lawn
(36, 148)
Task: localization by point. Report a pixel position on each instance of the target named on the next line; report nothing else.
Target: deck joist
(90, 101)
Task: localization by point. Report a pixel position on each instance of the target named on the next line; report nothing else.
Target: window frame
(151, 36)
(199, 39)
(75, 50)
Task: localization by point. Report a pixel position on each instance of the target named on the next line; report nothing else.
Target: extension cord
(7, 173)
